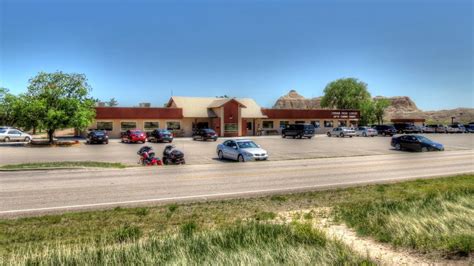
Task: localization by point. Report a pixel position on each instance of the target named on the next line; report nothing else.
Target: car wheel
(107, 142)
(384, 134)
(398, 147)
(310, 137)
(350, 136)
(341, 135)
(220, 155)
(329, 134)
(6, 139)
(27, 139)
(424, 149)
(215, 139)
(241, 159)
(283, 136)
(364, 134)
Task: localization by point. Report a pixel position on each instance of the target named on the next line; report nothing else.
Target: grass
(443, 205)
(249, 243)
(70, 164)
(438, 222)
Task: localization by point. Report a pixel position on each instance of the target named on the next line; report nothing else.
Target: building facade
(229, 117)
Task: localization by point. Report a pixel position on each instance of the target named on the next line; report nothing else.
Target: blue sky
(142, 51)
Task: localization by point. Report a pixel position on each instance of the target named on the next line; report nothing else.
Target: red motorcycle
(147, 157)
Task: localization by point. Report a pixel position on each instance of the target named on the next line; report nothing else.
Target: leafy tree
(380, 104)
(367, 114)
(61, 100)
(347, 93)
(112, 102)
(8, 108)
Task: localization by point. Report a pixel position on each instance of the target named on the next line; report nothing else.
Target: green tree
(347, 93)
(367, 113)
(61, 100)
(9, 106)
(112, 102)
(380, 104)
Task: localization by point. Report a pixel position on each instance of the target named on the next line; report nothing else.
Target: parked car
(341, 132)
(385, 130)
(205, 134)
(298, 131)
(97, 136)
(456, 128)
(134, 136)
(415, 143)
(241, 150)
(438, 128)
(160, 135)
(366, 132)
(428, 129)
(8, 134)
(406, 128)
(469, 128)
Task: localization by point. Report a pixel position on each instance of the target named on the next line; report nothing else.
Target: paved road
(198, 152)
(34, 193)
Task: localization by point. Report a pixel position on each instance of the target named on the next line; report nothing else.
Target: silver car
(8, 134)
(366, 132)
(341, 132)
(241, 150)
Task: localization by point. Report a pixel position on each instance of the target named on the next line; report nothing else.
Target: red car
(134, 136)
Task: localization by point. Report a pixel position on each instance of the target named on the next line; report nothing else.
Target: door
(249, 126)
(14, 134)
(232, 150)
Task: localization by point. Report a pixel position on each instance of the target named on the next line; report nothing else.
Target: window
(284, 124)
(173, 125)
(150, 126)
(230, 127)
(328, 123)
(128, 125)
(315, 123)
(342, 123)
(299, 122)
(105, 126)
(14, 131)
(267, 124)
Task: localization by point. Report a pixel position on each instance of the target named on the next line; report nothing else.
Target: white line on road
(217, 195)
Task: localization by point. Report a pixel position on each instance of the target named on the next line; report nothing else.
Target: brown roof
(310, 114)
(138, 113)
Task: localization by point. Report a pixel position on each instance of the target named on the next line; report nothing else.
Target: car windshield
(424, 139)
(99, 133)
(3, 130)
(164, 131)
(136, 132)
(247, 144)
(208, 131)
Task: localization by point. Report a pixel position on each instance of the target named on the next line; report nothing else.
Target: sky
(146, 51)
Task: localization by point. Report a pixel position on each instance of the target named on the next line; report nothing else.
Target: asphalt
(198, 152)
(43, 192)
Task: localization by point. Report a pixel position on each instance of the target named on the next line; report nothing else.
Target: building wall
(322, 129)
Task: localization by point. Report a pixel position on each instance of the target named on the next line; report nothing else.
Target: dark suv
(298, 131)
(97, 136)
(160, 135)
(205, 134)
(407, 128)
(385, 130)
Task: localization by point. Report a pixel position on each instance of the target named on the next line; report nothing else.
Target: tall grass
(237, 244)
(437, 223)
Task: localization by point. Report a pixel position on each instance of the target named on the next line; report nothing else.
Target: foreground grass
(439, 222)
(444, 205)
(71, 164)
(236, 244)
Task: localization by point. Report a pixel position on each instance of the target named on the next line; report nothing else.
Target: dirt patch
(382, 253)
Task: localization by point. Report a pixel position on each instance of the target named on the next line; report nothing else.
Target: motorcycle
(171, 155)
(147, 157)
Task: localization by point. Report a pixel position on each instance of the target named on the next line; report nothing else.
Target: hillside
(400, 107)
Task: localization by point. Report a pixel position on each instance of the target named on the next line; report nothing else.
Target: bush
(127, 233)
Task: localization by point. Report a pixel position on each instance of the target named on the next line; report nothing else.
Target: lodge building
(229, 117)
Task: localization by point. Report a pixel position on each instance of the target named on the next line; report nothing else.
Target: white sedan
(366, 132)
(241, 150)
(8, 134)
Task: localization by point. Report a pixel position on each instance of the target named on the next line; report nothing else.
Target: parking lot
(198, 152)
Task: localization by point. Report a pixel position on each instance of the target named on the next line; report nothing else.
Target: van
(298, 131)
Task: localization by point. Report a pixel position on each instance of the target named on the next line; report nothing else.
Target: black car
(160, 135)
(407, 128)
(298, 131)
(204, 134)
(97, 136)
(415, 143)
(385, 130)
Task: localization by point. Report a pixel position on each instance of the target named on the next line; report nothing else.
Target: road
(40, 192)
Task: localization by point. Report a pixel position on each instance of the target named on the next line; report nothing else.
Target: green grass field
(432, 216)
